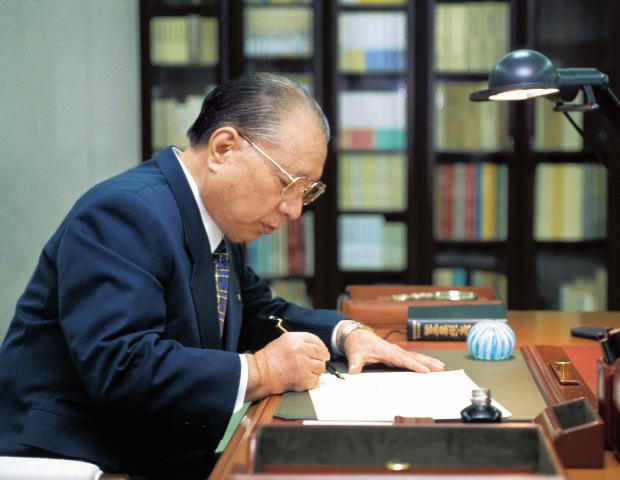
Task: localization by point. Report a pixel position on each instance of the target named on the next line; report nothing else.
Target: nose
(291, 207)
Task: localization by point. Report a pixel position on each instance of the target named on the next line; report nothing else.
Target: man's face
(250, 202)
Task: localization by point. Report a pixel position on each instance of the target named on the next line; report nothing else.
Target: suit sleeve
(114, 262)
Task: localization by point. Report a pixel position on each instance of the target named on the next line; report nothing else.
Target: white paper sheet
(380, 396)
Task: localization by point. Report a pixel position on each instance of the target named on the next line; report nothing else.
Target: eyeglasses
(308, 189)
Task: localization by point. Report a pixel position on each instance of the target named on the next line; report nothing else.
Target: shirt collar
(214, 234)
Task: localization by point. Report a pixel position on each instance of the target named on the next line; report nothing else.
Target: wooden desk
(531, 328)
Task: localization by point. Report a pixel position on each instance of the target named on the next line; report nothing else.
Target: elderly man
(142, 329)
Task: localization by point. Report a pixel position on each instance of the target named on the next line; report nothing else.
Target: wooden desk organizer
(576, 431)
(374, 304)
(442, 450)
(605, 382)
(616, 407)
(557, 385)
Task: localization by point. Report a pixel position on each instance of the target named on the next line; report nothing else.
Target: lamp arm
(609, 113)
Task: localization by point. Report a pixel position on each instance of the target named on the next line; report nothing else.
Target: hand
(363, 347)
(294, 361)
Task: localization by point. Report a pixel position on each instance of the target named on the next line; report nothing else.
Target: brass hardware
(451, 295)
(565, 372)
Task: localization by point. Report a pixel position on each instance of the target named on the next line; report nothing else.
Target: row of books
(457, 276)
(570, 201)
(463, 125)
(584, 294)
(369, 242)
(554, 132)
(278, 2)
(170, 119)
(287, 251)
(372, 120)
(372, 2)
(278, 32)
(371, 42)
(192, 39)
(291, 289)
(188, 2)
(372, 182)
(471, 36)
(471, 201)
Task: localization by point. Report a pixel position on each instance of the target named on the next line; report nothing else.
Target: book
(570, 201)
(450, 322)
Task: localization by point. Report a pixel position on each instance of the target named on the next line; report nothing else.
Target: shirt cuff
(335, 348)
(243, 383)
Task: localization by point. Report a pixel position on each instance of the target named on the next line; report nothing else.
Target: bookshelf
(183, 45)
(424, 186)
(471, 146)
(284, 37)
(574, 230)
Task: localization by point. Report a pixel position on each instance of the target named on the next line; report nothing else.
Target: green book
(450, 322)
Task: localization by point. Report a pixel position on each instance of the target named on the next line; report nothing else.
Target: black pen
(328, 366)
(613, 340)
(608, 355)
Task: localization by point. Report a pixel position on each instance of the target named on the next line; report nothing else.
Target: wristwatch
(346, 331)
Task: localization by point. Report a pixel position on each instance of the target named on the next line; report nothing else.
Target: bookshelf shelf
(372, 8)
(495, 245)
(462, 76)
(372, 77)
(279, 63)
(422, 65)
(471, 157)
(567, 157)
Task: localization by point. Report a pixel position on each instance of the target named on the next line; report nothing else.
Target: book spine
(441, 329)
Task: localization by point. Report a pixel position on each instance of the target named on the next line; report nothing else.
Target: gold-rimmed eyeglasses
(308, 189)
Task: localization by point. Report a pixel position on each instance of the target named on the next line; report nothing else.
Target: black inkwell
(481, 409)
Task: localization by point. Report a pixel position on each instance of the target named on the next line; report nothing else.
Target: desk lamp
(525, 74)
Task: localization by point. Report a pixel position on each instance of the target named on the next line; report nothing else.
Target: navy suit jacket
(114, 354)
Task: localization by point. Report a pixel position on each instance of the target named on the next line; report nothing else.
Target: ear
(224, 141)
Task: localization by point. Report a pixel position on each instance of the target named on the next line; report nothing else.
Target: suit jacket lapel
(203, 281)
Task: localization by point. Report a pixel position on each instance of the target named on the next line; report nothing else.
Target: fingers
(367, 349)
(309, 344)
(434, 364)
(416, 361)
(356, 363)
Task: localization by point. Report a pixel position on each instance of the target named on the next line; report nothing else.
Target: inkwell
(481, 410)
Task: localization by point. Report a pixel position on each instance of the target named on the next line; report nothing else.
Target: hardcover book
(450, 322)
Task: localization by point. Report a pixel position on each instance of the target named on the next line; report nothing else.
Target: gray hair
(254, 103)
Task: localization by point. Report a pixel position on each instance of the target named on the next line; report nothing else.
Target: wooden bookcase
(413, 70)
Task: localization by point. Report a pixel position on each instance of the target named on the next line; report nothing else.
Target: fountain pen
(328, 366)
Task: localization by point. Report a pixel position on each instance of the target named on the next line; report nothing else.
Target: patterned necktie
(220, 259)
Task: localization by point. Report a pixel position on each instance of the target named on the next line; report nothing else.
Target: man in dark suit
(126, 349)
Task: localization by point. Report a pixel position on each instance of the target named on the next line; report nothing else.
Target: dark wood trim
(420, 97)
(145, 79)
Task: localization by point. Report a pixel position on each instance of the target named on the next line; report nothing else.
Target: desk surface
(531, 328)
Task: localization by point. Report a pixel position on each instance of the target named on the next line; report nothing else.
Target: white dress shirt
(215, 236)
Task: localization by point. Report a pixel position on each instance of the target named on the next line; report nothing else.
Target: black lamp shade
(520, 70)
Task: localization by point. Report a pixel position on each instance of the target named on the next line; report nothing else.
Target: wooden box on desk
(380, 304)
(441, 450)
(576, 431)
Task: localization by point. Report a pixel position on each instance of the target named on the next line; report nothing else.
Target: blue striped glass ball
(491, 340)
